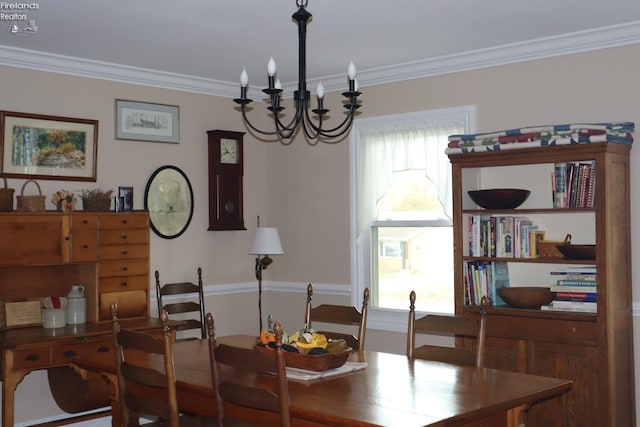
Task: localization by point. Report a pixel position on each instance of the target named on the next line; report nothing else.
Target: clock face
(228, 151)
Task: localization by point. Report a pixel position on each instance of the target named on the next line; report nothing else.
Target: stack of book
(484, 278)
(576, 290)
(573, 184)
(502, 236)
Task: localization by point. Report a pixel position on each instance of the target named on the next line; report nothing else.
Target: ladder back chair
(189, 314)
(254, 386)
(130, 346)
(456, 326)
(339, 314)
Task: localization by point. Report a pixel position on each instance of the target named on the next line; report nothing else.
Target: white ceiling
(204, 44)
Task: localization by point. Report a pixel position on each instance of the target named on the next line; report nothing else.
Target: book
(577, 280)
(569, 288)
(560, 195)
(500, 279)
(551, 307)
(576, 270)
(507, 237)
(575, 304)
(576, 296)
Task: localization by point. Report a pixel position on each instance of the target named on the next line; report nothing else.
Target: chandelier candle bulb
(351, 71)
(244, 78)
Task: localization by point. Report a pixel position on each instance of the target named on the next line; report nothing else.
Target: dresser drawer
(63, 354)
(120, 237)
(124, 283)
(130, 304)
(84, 245)
(123, 268)
(544, 330)
(101, 347)
(123, 221)
(31, 358)
(84, 222)
(124, 252)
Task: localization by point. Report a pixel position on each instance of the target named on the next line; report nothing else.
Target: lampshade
(266, 242)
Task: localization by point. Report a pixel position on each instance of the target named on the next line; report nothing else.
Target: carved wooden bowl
(499, 198)
(315, 362)
(526, 296)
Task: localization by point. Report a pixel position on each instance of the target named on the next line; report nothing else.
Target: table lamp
(265, 242)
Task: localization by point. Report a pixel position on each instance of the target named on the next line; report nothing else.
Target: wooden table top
(391, 390)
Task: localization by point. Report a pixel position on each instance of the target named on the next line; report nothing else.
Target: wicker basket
(30, 203)
(96, 204)
(6, 198)
(548, 248)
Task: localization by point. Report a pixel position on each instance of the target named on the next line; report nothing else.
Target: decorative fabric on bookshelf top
(542, 136)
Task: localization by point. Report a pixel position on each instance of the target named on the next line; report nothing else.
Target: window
(402, 237)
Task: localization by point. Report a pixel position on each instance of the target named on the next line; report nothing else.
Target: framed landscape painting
(144, 121)
(48, 147)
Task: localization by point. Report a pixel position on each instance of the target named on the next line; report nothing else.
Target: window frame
(392, 320)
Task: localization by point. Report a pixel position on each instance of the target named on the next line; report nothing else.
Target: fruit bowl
(499, 198)
(526, 296)
(313, 362)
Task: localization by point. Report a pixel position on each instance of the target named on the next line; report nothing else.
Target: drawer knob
(67, 238)
(124, 268)
(85, 222)
(104, 349)
(124, 253)
(123, 284)
(85, 246)
(573, 330)
(124, 221)
(69, 353)
(124, 237)
(32, 357)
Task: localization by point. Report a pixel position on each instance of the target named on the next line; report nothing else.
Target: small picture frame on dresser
(125, 195)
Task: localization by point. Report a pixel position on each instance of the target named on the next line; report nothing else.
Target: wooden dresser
(44, 254)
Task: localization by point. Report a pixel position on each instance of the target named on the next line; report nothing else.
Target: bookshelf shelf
(595, 350)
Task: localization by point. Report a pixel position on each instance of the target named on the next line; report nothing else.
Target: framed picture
(169, 200)
(125, 195)
(48, 147)
(143, 121)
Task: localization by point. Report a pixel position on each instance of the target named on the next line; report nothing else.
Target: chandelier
(313, 128)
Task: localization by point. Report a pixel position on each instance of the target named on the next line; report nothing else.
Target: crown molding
(582, 41)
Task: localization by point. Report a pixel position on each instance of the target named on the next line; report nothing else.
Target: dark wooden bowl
(526, 296)
(315, 362)
(578, 251)
(499, 198)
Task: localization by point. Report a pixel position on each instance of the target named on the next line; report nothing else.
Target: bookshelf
(592, 348)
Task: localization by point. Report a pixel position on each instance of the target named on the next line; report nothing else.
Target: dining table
(372, 389)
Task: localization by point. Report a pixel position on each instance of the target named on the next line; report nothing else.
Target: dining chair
(456, 326)
(131, 346)
(265, 392)
(189, 314)
(339, 314)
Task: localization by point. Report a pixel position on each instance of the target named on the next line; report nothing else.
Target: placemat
(304, 375)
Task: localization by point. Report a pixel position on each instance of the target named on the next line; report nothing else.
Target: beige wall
(302, 190)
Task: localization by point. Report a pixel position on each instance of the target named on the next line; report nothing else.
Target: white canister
(53, 318)
(76, 305)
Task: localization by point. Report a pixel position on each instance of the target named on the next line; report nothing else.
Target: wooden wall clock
(225, 180)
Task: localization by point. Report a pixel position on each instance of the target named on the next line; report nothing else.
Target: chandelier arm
(293, 124)
(255, 129)
(334, 132)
